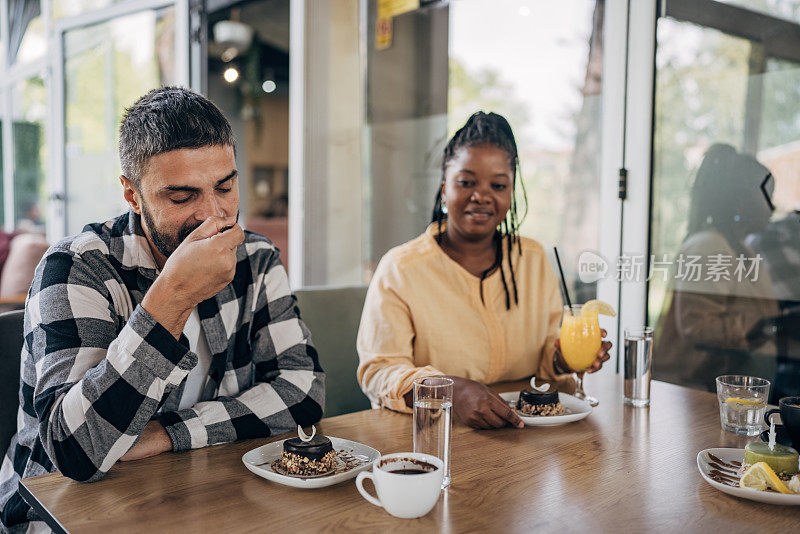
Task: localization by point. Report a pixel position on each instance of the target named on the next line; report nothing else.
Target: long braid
(490, 129)
(499, 261)
(510, 248)
(438, 214)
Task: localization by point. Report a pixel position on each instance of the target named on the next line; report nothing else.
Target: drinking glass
(580, 342)
(638, 359)
(433, 406)
(742, 403)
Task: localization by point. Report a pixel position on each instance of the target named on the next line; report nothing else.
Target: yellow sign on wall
(392, 8)
(383, 26)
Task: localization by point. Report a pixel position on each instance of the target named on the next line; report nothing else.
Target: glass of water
(638, 359)
(742, 403)
(433, 408)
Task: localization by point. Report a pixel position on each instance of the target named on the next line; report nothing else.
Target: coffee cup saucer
(781, 436)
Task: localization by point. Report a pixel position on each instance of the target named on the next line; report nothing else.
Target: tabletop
(622, 469)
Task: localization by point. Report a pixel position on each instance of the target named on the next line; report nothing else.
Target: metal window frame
(780, 37)
(638, 138)
(613, 148)
(297, 131)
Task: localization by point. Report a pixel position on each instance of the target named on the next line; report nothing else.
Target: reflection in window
(701, 84)
(724, 191)
(30, 194)
(107, 67)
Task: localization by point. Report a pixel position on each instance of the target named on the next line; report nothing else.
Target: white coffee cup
(404, 495)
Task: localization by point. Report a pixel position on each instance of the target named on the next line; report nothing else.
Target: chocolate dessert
(532, 402)
(309, 457)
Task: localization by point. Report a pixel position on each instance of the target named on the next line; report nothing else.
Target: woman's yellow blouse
(423, 316)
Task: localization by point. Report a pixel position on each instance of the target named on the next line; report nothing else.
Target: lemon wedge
(760, 476)
(598, 307)
(754, 402)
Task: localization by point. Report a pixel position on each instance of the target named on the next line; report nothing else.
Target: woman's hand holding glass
(580, 346)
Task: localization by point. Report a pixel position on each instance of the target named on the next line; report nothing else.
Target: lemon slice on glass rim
(598, 307)
(760, 476)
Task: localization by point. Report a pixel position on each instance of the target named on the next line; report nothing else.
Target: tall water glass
(433, 409)
(638, 360)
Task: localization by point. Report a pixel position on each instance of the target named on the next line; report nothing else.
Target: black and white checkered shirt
(96, 367)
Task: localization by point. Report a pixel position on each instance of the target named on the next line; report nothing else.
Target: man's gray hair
(165, 119)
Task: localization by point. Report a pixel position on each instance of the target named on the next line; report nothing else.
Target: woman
(469, 298)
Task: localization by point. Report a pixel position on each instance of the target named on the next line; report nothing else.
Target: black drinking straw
(563, 280)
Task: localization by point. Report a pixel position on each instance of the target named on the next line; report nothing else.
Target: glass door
(726, 193)
(106, 61)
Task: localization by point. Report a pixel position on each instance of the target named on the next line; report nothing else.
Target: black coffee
(409, 471)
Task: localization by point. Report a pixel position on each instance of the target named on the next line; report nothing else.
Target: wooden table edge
(39, 508)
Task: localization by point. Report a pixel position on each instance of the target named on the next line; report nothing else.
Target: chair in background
(10, 352)
(24, 251)
(333, 316)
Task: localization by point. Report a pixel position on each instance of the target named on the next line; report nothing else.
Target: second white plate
(577, 408)
(708, 465)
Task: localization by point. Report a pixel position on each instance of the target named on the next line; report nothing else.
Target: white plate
(726, 455)
(578, 410)
(259, 461)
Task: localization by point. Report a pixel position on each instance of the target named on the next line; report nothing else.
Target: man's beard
(166, 243)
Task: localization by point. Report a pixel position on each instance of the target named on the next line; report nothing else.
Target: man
(167, 328)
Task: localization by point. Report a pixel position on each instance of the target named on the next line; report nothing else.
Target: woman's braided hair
(489, 129)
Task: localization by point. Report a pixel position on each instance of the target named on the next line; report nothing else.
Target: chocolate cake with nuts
(313, 457)
(532, 402)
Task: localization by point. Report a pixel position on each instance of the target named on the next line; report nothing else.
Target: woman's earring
(444, 207)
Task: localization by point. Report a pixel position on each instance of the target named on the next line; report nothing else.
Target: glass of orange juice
(580, 342)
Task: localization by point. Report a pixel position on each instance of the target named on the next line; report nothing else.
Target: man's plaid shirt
(96, 367)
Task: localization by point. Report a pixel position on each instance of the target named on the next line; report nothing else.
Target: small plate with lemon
(721, 468)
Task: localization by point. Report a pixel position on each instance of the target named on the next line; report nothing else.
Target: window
(725, 194)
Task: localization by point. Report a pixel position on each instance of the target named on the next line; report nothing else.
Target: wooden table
(621, 469)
